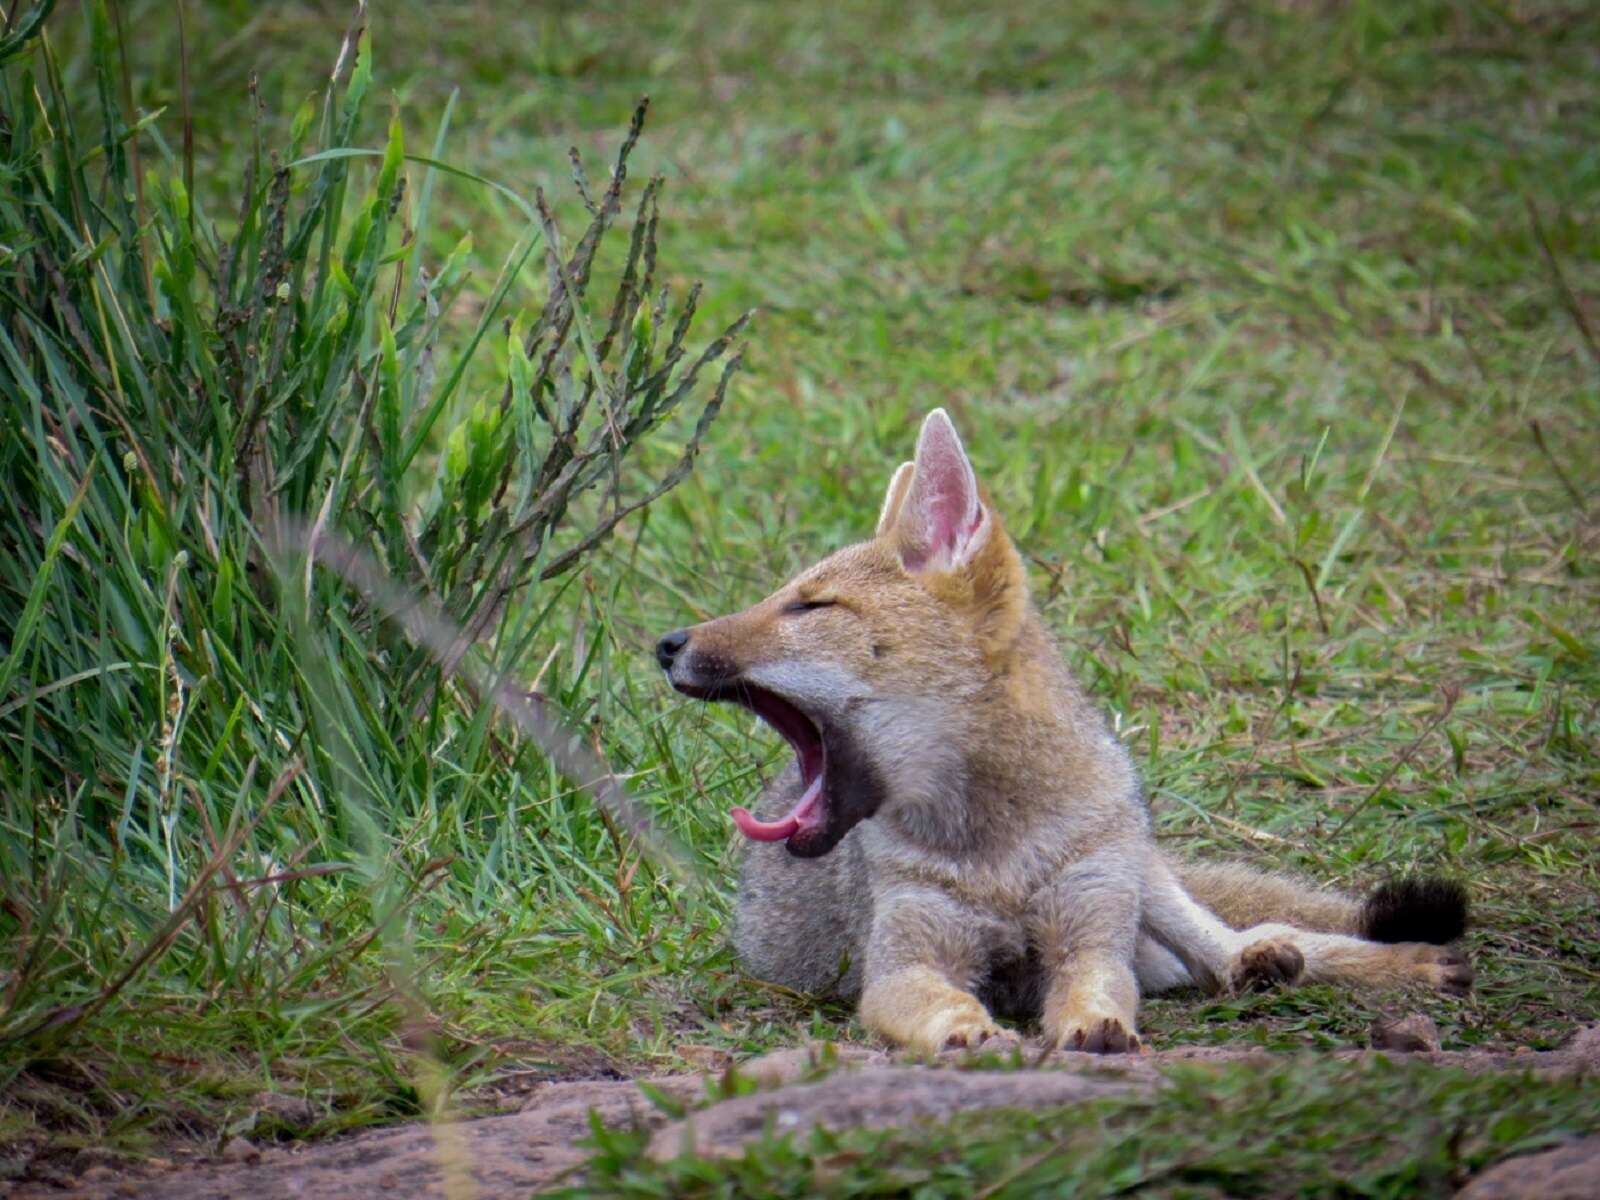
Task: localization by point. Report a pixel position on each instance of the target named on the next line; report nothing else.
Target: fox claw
(1105, 1036)
(979, 1035)
(961, 1029)
(1000, 1041)
(1447, 970)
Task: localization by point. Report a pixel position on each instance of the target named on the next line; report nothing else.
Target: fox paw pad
(1267, 964)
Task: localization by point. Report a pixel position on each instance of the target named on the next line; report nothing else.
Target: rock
(295, 1111)
(511, 1154)
(515, 1154)
(711, 1059)
(1569, 1172)
(239, 1150)
(1411, 1034)
(1584, 1049)
(781, 1067)
(90, 1157)
(100, 1174)
(875, 1098)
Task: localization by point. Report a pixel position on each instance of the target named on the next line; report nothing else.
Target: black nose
(667, 648)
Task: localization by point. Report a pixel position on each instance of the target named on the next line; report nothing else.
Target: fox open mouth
(809, 817)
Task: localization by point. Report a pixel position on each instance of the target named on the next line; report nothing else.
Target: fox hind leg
(1334, 958)
(1403, 926)
(1271, 955)
(1394, 937)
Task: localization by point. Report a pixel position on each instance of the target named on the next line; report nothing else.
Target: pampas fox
(961, 836)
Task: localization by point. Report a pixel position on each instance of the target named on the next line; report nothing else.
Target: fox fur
(962, 836)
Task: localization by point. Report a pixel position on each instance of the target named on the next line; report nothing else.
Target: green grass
(1264, 324)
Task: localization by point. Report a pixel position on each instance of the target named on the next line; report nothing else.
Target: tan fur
(894, 497)
(1283, 954)
(920, 1007)
(1012, 828)
(1243, 896)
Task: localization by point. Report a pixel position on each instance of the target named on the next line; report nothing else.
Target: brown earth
(517, 1153)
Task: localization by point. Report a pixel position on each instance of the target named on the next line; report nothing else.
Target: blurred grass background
(1270, 326)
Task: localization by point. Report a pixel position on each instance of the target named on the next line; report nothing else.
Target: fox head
(873, 662)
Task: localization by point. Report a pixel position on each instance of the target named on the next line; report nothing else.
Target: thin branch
(1451, 694)
(1572, 491)
(1569, 299)
(426, 624)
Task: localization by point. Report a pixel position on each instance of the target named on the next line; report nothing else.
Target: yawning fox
(961, 835)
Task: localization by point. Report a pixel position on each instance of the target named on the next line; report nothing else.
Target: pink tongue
(802, 815)
(764, 831)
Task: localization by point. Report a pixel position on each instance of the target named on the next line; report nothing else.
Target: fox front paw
(1269, 963)
(963, 1029)
(1099, 1035)
(1439, 967)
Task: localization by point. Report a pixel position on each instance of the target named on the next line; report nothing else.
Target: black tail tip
(1417, 909)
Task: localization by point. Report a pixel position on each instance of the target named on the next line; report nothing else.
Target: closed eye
(802, 606)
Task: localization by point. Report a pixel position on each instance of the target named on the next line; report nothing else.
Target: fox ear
(895, 497)
(942, 522)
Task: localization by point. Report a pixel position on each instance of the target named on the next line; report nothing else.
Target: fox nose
(667, 648)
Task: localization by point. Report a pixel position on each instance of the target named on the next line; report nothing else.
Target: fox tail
(1417, 908)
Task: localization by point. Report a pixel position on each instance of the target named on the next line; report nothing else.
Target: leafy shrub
(197, 751)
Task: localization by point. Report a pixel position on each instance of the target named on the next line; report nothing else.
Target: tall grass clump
(228, 782)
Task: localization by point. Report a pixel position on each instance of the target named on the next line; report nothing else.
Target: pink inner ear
(952, 517)
(942, 510)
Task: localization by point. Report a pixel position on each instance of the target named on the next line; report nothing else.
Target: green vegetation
(1271, 327)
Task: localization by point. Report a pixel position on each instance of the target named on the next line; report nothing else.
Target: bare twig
(1538, 437)
(1311, 586)
(1450, 695)
(428, 626)
(73, 1015)
(1564, 292)
(188, 115)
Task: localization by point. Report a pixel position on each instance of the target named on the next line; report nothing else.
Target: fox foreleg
(922, 957)
(1087, 928)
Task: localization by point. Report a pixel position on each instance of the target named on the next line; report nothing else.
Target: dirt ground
(521, 1152)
